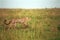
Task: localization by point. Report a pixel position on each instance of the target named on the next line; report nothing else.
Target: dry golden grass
(44, 24)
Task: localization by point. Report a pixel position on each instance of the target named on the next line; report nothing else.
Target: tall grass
(43, 26)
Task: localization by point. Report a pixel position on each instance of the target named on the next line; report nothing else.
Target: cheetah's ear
(29, 18)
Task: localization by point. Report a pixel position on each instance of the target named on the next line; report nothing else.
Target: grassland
(45, 24)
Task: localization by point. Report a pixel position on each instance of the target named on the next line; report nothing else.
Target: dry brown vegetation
(45, 24)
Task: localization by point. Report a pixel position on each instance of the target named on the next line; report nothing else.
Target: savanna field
(44, 24)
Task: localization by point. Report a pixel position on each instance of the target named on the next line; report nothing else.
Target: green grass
(44, 24)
